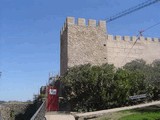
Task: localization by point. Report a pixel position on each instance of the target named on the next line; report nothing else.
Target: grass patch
(146, 113)
(142, 116)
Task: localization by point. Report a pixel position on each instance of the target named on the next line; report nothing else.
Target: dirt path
(58, 116)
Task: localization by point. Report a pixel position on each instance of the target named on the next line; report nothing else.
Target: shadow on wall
(29, 112)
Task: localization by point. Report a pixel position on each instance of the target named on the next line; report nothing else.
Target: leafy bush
(89, 88)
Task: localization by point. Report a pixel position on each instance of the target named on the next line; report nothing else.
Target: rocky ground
(5, 112)
(9, 110)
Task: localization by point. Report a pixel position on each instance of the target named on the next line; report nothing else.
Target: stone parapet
(84, 22)
(132, 38)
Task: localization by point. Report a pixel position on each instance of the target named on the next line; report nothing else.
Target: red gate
(52, 99)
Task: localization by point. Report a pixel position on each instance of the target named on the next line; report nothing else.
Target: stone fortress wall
(85, 42)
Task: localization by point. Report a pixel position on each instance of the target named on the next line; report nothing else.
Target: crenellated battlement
(102, 24)
(86, 41)
(132, 38)
(84, 22)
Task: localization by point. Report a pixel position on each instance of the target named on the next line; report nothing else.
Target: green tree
(92, 87)
(88, 86)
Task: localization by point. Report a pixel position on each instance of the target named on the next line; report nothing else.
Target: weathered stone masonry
(83, 43)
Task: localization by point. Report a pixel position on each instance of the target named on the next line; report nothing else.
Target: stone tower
(85, 42)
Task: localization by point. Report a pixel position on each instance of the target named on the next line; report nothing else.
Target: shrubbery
(89, 88)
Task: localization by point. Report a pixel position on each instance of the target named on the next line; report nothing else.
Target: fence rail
(40, 113)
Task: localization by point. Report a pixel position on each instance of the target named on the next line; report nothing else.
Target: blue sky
(30, 35)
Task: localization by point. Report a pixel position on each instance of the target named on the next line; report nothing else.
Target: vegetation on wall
(89, 88)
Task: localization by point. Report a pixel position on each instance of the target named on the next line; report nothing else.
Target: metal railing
(40, 113)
